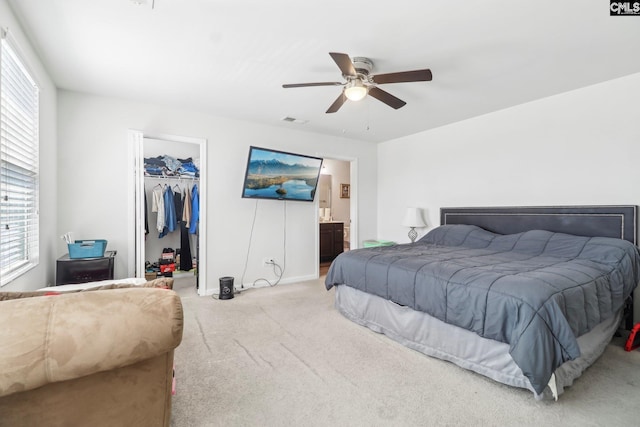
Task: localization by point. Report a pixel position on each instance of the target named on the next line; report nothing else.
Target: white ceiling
(231, 57)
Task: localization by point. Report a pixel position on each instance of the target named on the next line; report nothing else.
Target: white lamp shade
(413, 218)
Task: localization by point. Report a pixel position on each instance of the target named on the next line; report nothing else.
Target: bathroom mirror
(324, 188)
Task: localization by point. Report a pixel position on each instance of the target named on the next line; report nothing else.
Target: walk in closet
(171, 208)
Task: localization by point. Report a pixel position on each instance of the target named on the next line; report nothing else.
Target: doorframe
(136, 202)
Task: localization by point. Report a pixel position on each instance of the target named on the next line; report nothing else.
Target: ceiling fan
(359, 81)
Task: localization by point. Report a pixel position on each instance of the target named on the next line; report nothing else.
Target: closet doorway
(174, 168)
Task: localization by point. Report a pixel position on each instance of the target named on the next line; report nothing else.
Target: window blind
(19, 178)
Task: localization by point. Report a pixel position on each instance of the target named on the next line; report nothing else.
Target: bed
(529, 297)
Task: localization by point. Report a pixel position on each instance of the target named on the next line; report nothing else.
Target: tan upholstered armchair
(102, 357)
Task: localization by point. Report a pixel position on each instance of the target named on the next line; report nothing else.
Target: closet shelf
(163, 177)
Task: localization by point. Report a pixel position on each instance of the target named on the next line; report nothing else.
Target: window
(19, 106)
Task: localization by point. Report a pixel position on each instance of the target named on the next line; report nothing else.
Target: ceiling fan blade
(403, 77)
(344, 63)
(312, 84)
(337, 103)
(386, 97)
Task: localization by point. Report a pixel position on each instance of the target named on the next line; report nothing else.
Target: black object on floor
(226, 287)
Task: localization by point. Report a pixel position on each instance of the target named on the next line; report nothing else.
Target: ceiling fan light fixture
(355, 90)
(360, 83)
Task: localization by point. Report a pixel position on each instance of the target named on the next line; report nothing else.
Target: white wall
(43, 274)
(92, 159)
(580, 147)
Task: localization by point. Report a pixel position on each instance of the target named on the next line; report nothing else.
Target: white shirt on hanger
(157, 205)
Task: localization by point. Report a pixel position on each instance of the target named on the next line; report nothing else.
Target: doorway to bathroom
(335, 211)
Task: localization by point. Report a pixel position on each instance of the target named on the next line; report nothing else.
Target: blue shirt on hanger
(195, 209)
(169, 212)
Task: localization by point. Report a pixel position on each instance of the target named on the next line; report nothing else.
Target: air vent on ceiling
(151, 3)
(294, 120)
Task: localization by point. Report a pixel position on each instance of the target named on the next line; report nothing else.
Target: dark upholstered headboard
(591, 221)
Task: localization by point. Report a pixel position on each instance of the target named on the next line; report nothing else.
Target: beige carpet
(283, 356)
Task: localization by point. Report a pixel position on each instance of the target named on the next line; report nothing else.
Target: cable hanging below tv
(279, 175)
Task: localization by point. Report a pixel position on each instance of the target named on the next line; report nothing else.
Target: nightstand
(83, 270)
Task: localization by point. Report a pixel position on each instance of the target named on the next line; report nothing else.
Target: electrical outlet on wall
(267, 262)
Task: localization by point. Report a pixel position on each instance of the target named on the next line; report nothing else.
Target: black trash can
(226, 287)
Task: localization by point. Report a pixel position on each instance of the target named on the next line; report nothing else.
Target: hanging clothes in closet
(169, 212)
(185, 245)
(186, 210)
(146, 215)
(172, 201)
(177, 201)
(195, 209)
(157, 205)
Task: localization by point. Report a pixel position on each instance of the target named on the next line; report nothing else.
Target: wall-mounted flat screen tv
(278, 175)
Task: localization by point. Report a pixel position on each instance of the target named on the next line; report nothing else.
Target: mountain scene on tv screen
(273, 178)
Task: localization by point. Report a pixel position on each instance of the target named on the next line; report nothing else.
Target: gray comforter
(536, 291)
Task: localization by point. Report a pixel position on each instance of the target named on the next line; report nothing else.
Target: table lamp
(413, 219)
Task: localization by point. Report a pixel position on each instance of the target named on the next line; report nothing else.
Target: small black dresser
(82, 270)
